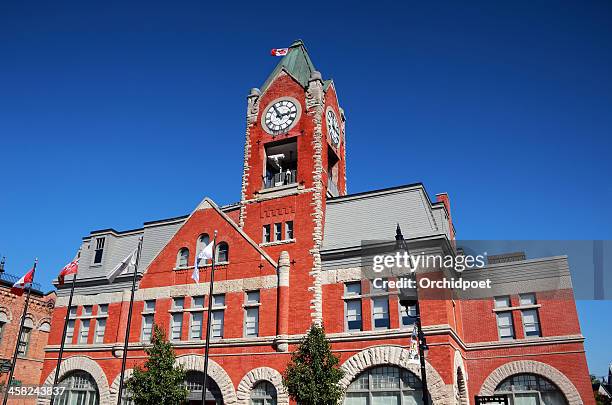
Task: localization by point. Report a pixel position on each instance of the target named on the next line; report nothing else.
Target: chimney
(443, 198)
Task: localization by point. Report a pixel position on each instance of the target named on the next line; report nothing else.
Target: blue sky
(116, 113)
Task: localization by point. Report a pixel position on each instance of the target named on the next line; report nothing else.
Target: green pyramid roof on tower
(296, 62)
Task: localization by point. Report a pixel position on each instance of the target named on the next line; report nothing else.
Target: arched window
(201, 243)
(194, 381)
(530, 389)
(4, 319)
(387, 385)
(222, 253)
(263, 393)
(24, 339)
(79, 388)
(182, 259)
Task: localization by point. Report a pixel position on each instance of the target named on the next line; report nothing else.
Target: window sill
(520, 307)
(277, 242)
(203, 267)
(278, 188)
(251, 305)
(90, 317)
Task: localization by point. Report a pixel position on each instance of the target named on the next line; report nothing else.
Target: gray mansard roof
(374, 215)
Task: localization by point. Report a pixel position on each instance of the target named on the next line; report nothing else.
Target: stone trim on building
(114, 388)
(215, 371)
(82, 363)
(315, 101)
(532, 367)
(178, 290)
(256, 375)
(397, 356)
(460, 380)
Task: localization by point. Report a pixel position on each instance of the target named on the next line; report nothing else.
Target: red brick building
(289, 254)
(37, 326)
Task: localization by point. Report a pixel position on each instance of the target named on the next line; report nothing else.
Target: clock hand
(278, 114)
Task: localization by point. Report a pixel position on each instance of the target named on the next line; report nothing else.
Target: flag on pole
(279, 51)
(70, 268)
(20, 285)
(124, 267)
(205, 254)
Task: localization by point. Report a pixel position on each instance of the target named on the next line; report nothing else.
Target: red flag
(70, 268)
(19, 286)
(279, 51)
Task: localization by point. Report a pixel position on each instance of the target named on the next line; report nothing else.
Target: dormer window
(99, 251)
(182, 259)
(280, 164)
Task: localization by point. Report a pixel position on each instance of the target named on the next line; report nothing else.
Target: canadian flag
(70, 268)
(20, 285)
(279, 51)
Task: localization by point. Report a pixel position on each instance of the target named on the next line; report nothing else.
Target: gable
(246, 258)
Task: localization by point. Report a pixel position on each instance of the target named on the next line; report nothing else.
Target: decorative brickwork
(532, 367)
(262, 374)
(395, 355)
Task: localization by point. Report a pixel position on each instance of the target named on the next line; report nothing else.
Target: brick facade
(38, 320)
(466, 356)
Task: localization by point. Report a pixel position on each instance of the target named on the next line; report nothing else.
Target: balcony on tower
(280, 164)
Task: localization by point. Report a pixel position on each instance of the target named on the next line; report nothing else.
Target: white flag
(124, 267)
(205, 254)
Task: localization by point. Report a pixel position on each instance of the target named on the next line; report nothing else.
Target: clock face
(280, 116)
(332, 127)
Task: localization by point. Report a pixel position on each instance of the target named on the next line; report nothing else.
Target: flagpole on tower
(66, 321)
(23, 316)
(208, 320)
(129, 321)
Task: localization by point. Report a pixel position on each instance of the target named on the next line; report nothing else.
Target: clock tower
(294, 160)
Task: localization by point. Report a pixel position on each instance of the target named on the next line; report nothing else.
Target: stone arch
(29, 321)
(114, 387)
(460, 386)
(243, 393)
(532, 367)
(397, 356)
(82, 363)
(44, 324)
(195, 362)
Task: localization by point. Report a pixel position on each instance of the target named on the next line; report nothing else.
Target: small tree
(312, 375)
(160, 382)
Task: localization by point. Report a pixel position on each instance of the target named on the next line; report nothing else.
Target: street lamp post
(412, 300)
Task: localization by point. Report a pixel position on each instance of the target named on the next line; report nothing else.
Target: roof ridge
(296, 63)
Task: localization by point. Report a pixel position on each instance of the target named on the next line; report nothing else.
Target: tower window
(266, 234)
(278, 231)
(280, 164)
(289, 230)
